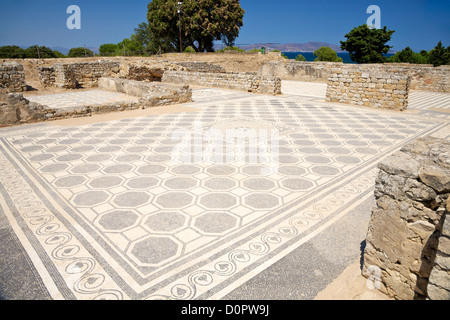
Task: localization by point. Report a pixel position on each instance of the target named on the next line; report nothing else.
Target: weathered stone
(442, 260)
(12, 77)
(437, 293)
(418, 191)
(152, 94)
(436, 177)
(401, 164)
(234, 81)
(14, 109)
(199, 66)
(75, 75)
(408, 232)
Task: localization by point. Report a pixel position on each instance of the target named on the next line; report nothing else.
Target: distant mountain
(293, 47)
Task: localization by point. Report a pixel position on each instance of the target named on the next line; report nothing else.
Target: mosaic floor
(155, 208)
(82, 98)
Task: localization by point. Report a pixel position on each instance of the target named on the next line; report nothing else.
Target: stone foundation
(145, 70)
(407, 238)
(198, 66)
(370, 86)
(12, 77)
(15, 109)
(151, 94)
(233, 81)
(76, 75)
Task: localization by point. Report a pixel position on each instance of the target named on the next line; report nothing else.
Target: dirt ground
(231, 62)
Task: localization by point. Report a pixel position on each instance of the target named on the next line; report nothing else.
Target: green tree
(59, 54)
(300, 57)
(366, 45)
(439, 55)
(80, 52)
(202, 22)
(43, 52)
(108, 49)
(407, 55)
(12, 52)
(131, 45)
(326, 54)
(151, 44)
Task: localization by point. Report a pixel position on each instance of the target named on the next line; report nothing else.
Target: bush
(44, 53)
(108, 49)
(231, 49)
(80, 52)
(409, 56)
(15, 52)
(189, 50)
(12, 52)
(300, 57)
(327, 54)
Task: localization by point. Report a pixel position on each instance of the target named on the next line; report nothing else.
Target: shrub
(300, 57)
(80, 52)
(189, 50)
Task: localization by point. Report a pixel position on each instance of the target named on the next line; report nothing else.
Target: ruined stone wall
(423, 77)
(146, 70)
(75, 75)
(299, 70)
(233, 81)
(407, 238)
(369, 85)
(199, 66)
(12, 77)
(151, 94)
(47, 76)
(15, 109)
(430, 78)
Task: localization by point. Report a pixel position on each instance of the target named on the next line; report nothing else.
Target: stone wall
(439, 282)
(15, 110)
(299, 70)
(233, 81)
(12, 77)
(423, 77)
(146, 70)
(151, 94)
(47, 76)
(407, 224)
(75, 75)
(369, 85)
(430, 78)
(199, 66)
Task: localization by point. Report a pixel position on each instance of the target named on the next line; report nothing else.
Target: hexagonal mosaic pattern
(154, 203)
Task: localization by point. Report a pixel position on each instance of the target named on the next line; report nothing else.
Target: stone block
(408, 232)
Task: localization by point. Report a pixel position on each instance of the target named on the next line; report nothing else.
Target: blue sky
(418, 24)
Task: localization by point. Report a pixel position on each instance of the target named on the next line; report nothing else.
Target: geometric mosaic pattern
(116, 215)
(81, 98)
